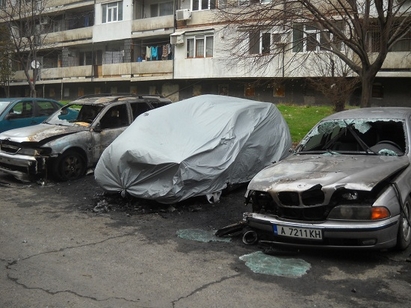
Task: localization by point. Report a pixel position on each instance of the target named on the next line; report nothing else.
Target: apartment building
(178, 48)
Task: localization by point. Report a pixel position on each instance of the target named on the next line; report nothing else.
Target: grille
(308, 205)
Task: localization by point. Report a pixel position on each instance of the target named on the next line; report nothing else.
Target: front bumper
(334, 234)
(22, 167)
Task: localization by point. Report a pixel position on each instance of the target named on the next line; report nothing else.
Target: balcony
(151, 26)
(138, 71)
(133, 71)
(60, 5)
(68, 37)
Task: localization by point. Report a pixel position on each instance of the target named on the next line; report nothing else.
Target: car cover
(194, 147)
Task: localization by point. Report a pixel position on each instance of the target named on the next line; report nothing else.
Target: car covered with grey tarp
(194, 147)
(347, 185)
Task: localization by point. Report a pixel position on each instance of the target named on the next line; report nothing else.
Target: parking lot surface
(68, 245)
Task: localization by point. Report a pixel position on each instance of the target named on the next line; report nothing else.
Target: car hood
(39, 133)
(302, 172)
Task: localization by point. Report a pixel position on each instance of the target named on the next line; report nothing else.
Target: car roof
(372, 113)
(13, 99)
(104, 100)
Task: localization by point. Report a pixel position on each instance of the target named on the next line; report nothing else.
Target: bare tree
(6, 52)
(24, 20)
(332, 80)
(360, 33)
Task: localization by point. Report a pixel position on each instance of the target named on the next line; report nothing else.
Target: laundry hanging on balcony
(158, 52)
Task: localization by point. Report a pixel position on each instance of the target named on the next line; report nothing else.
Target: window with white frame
(260, 42)
(161, 9)
(308, 38)
(222, 4)
(112, 12)
(198, 5)
(249, 2)
(200, 46)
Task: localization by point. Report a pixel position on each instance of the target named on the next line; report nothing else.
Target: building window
(112, 12)
(373, 39)
(309, 38)
(249, 2)
(404, 44)
(200, 46)
(161, 9)
(222, 4)
(260, 42)
(198, 5)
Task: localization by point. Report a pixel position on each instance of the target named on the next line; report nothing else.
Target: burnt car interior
(372, 137)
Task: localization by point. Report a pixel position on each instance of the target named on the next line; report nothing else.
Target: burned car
(347, 184)
(73, 138)
(195, 147)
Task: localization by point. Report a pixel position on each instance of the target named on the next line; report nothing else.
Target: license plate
(312, 234)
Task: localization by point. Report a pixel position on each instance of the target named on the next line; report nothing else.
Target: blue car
(19, 112)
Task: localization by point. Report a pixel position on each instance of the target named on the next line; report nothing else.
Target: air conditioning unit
(176, 39)
(183, 14)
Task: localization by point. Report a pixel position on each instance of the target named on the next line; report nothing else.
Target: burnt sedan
(73, 138)
(347, 185)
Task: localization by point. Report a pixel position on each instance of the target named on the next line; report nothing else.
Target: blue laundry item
(153, 53)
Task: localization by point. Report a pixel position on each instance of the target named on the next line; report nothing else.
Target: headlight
(359, 212)
(27, 151)
(34, 151)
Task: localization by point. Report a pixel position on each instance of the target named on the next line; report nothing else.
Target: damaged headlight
(359, 212)
(34, 151)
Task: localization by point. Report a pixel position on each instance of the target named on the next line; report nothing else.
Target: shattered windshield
(3, 106)
(356, 136)
(74, 114)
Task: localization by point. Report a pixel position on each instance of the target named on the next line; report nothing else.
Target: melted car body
(347, 184)
(73, 138)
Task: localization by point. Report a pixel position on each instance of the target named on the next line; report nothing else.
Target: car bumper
(21, 166)
(330, 234)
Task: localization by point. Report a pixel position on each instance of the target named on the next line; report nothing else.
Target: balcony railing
(118, 71)
(150, 26)
(63, 37)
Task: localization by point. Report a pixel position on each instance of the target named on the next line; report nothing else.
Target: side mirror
(97, 128)
(10, 116)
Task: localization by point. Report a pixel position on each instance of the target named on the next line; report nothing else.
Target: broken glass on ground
(200, 235)
(262, 263)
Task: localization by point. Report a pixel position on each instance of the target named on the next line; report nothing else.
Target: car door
(20, 115)
(109, 124)
(139, 108)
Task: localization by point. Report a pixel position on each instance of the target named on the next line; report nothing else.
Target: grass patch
(301, 119)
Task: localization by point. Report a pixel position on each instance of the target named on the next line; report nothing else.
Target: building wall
(279, 79)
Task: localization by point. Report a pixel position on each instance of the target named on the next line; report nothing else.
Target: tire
(404, 228)
(71, 165)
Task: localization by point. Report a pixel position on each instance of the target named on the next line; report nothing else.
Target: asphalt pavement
(65, 245)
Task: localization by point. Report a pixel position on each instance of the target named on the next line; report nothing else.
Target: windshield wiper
(361, 142)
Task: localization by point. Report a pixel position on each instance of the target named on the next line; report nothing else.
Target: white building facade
(179, 48)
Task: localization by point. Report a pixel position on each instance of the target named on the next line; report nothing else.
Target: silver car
(72, 139)
(347, 185)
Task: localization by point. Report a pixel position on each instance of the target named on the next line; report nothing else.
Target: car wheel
(404, 229)
(70, 165)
